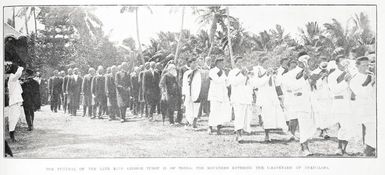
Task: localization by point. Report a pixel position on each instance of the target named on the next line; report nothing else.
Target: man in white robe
(299, 87)
(241, 97)
(220, 110)
(281, 71)
(322, 99)
(271, 110)
(341, 108)
(364, 105)
(288, 98)
(191, 107)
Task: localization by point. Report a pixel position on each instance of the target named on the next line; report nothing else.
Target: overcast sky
(253, 18)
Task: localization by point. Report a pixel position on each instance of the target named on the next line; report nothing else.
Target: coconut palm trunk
(213, 29)
(180, 36)
(13, 17)
(138, 36)
(26, 21)
(230, 46)
(34, 18)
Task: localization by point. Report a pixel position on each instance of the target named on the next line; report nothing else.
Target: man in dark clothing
(112, 105)
(135, 86)
(74, 86)
(123, 83)
(141, 99)
(43, 91)
(151, 92)
(99, 93)
(31, 98)
(64, 89)
(61, 101)
(86, 92)
(7, 149)
(158, 69)
(54, 91)
(170, 93)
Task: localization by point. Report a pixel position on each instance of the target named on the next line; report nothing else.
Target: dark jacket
(150, 87)
(31, 94)
(140, 81)
(110, 85)
(65, 83)
(135, 86)
(54, 85)
(86, 85)
(98, 86)
(170, 90)
(123, 83)
(73, 89)
(86, 90)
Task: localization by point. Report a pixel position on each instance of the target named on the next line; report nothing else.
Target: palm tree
(213, 15)
(132, 9)
(85, 22)
(23, 13)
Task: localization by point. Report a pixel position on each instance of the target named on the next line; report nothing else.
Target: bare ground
(57, 135)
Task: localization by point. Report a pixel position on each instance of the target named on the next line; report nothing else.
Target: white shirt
(14, 87)
(76, 77)
(241, 90)
(218, 86)
(38, 79)
(338, 89)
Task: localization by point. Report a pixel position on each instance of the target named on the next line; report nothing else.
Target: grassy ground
(57, 135)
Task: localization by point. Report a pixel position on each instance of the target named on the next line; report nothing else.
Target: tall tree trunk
(138, 37)
(213, 29)
(35, 39)
(229, 45)
(180, 36)
(13, 17)
(34, 18)
(26, 21)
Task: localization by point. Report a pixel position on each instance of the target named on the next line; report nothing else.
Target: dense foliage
(73, 36)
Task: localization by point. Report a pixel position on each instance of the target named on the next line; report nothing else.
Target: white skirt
(243, 116)
(322, 113)
(273, 117)
(220, 113)
(307, 127)
(192, 110)
(14, 113)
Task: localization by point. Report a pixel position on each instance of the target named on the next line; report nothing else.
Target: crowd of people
(302, 94)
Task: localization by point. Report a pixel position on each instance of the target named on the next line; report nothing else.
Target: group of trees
(74, 36)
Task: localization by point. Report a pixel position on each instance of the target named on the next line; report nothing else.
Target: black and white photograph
(191, 88)
(197, 81)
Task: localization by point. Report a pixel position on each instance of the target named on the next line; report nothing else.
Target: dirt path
(57, 135)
